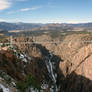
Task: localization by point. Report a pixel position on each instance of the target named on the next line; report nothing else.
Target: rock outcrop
(19, 63)
(77, 69)
(65, 66)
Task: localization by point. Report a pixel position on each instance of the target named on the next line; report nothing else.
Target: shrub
(28, 82)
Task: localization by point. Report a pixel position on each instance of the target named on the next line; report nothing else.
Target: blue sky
(46, 11)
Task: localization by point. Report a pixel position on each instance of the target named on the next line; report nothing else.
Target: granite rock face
(68, 62)
(77, 70)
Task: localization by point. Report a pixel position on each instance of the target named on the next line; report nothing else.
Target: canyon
(54, 65)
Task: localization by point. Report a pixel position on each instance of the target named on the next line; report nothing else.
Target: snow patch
(5, 89)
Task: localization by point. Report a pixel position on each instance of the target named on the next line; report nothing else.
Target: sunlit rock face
(62, 67)
(77, 69)
(82, 66)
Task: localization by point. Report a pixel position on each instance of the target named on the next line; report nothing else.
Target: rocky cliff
(48, 67)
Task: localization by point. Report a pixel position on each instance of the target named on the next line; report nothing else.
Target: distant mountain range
(37, 26)
(18, 26)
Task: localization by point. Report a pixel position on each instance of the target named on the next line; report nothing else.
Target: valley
(45, 46)
(50, 62)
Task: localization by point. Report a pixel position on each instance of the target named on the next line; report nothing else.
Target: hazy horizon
(47, 22)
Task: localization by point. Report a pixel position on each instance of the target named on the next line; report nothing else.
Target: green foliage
(1, 90)
(29, 81)
(54, 34)
(4, 45)
(21, 86)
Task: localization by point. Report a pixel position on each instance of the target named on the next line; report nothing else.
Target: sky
(46, 11)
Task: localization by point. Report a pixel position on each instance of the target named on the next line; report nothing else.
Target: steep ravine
(77, 70)
(51, 67)
(34, 68)
(43, 67)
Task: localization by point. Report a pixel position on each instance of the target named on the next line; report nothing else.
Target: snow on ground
(4, 88)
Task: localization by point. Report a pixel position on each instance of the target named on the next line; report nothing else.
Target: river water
(50, 67)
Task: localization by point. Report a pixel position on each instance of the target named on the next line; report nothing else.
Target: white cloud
(35, 8)
(2, 20)
(25, 9)
(4, 4)
(29, 9)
